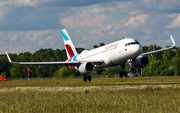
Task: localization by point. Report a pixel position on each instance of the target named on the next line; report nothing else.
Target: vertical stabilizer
(69, 46)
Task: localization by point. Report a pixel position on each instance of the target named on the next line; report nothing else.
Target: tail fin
(69, 46)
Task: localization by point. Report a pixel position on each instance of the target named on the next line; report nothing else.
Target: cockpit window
(137, 42)
(132, 43)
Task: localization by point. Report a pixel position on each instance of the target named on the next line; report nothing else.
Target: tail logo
(70, 51)
(69, 46)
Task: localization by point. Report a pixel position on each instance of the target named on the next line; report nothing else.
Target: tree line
(161, 64)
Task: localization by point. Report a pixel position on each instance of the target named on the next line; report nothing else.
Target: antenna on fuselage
(126, 37)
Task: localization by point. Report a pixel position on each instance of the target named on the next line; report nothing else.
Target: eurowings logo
(111, 46)
(69, 46)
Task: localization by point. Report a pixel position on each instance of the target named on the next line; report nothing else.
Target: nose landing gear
(124, 73)
(129, 62)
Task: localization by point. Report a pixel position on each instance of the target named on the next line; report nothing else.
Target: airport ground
(109, 95)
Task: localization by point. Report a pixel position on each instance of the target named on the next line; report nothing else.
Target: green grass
(102, 95)
(95, 81)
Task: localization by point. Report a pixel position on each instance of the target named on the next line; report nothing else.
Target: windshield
(132, 43)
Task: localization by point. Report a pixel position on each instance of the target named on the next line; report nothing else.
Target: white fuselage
(112, 54)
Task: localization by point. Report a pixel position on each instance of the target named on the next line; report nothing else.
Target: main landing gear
(121, 74)
(87, 77)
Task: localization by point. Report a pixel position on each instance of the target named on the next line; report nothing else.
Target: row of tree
(161, 64)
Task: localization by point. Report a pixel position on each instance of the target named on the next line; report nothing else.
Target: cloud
(76, 3)
(83, 19)
(28, 18)
(23, 15)
(22, 3)
(54, 3)
(175, 23)
(22, 41)
(136, 21)
(29, 25)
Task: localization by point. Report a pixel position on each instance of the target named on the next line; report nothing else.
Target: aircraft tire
(89, 78)
(125, 74)
(85, 78)
(121, 74)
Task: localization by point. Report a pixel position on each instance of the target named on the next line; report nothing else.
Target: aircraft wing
(62, 63)
(160, 50)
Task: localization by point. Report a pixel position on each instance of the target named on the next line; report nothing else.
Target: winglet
(8, 57)
(172, 40)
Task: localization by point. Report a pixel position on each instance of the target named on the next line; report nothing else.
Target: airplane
(113, 54)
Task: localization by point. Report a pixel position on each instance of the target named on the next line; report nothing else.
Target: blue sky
(30, 25)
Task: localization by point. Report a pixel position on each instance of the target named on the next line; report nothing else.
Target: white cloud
(148, 31)
(176, 22)
(24, 23)
(135, 22)
(22, 41)
(19, 3)
(121, 19)
(172, 15)
(164, 41)
(83, 19)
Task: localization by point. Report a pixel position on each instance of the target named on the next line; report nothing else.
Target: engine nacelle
(141, 61)
(86, 67)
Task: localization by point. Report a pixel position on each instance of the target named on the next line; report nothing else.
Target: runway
(154, 83)
(107, 87)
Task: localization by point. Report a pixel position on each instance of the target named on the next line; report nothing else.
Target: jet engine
(86, 67)
(141, 61)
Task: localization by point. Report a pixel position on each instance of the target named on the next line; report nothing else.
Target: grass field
(108, 95)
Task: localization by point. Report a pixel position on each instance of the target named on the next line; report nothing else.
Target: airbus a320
(113, 54)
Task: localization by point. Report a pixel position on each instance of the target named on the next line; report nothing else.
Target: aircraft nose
(137, 50)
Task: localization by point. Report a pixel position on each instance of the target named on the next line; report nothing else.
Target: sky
(30, 25)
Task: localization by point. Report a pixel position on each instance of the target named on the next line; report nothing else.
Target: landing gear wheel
(89, 78)
(85, 78)
(121, 74)
(125, 74)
